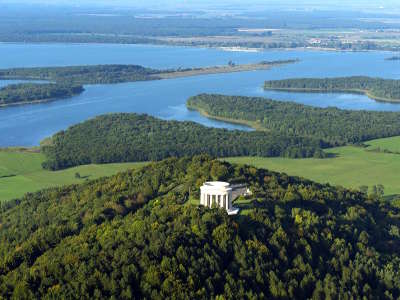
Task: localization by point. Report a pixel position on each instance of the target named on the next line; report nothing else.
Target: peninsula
(68, 81)
(108, 74)
(230, 68)
(333, 126)
(30, 93)
(385, 90)
(129, 137)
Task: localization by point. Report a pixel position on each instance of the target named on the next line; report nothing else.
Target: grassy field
(390, 144)
(21, 172)
(352, 166)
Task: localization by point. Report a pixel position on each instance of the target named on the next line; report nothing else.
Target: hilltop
(134, 235)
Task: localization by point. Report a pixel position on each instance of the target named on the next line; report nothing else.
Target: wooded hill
(376, 88)
(131, 236)
(334, 126)
(34, 92)
(131, 137)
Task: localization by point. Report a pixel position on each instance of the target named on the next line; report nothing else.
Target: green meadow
(21, 172)
(389, 144)
(350, 166)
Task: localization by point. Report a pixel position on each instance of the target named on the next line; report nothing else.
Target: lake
(28, 125)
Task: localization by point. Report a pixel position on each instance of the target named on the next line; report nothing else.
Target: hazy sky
(211, 4)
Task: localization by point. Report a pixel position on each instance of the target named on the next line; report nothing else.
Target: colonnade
(219, 200)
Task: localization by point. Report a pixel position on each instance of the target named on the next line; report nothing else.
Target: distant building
(219, 194)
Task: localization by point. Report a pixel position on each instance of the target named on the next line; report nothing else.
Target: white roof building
(219, 194)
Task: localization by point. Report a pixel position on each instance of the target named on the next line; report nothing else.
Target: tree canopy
(91, 74)
(134, 236)
(334, 126)
(131, 137)
(32, 92)
(376, 88)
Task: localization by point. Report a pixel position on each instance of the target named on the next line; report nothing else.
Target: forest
(134, 236)
(36, 92)
(333, 126)
(94, 74)
(128, 137)
(108, 74)
(376, 88)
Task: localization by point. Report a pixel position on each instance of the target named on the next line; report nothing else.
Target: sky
(388, 5)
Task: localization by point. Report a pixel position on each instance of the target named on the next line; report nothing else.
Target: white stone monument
(219, 194)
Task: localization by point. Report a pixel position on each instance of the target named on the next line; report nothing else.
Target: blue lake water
(27, 125)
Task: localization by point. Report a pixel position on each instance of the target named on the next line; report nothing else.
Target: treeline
(376, 88)
(94, 74)
(107, 74)
(130, 236)
(334, 126)
(131, 137)
(393, 58)
(71, 37)
(32, 92)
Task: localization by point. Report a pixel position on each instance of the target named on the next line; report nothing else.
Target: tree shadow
(8, 176)
(331, 155)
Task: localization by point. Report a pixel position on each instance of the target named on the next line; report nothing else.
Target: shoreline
(223, 69)
(39, 101)
(164, 76)
(324, 91)
(253, 50)
(253, 125)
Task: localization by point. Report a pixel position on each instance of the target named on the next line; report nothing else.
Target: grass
(390, 144)
(351, 167)
(21, 172)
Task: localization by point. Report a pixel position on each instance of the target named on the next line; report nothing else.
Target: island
(385, 90)
(30, 93)
(333, 126)
(69, 80)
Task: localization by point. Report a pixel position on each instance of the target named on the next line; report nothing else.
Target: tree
(364, 189)
(380, 190)
(231, 63)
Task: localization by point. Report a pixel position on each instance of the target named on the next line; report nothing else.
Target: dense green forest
(131, 137)
(334, 126)
(29, 92)
(376, 88)
(106, 74)
(95, 74)
(131, 236)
